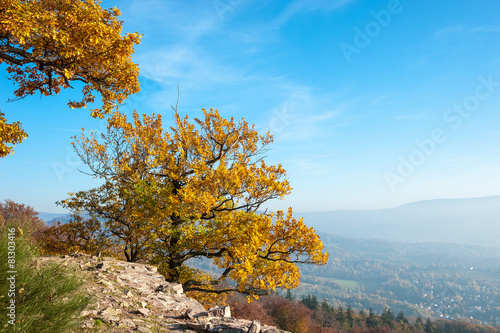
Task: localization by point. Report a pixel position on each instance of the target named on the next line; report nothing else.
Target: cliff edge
(134, 297)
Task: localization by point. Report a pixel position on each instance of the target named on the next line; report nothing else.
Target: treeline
(309, 315)
(425, 291)
(82, 235)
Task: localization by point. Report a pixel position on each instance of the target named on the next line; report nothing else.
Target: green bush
(48, 297)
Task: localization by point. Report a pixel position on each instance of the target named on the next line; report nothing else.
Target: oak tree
(49, 44)
(194, 191)
(10, 135)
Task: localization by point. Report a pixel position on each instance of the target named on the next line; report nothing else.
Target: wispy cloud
(305, 114)
(174, 19)
(301, 6)
(381, 100)
(460, 29)
(189, 63)
(299, 113)
(413, 116)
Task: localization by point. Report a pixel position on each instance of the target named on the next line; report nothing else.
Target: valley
(435, 280)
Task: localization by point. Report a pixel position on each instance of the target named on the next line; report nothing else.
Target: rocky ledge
(134, 297)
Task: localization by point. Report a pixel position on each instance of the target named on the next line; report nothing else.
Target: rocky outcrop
(134, 297)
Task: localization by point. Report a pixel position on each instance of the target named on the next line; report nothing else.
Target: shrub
(48, 297)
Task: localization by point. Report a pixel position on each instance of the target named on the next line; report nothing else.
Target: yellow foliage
(193, 191)
(47, 44)
(10, 135)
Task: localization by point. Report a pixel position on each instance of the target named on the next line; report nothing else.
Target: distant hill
(473, 221)
(53, 217)
(47, 217)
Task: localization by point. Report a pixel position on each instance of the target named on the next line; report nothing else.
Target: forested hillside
(421, 279)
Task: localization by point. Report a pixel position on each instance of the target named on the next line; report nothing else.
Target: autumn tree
(21, 216)
(80, 234)
(117, 208)
(260, 310)
(194, 191)
(10, 135)
(49, 44)
(292, 316)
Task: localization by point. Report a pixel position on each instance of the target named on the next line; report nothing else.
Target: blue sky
(373, 104)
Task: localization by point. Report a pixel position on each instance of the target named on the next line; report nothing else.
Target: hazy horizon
(466, 221)
(370, 107)
(361, 210)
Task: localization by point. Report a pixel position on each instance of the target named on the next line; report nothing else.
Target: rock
(219, 311)
(108, 284)
(102, 265)
(255, 327)
(135, 297)
(88, 323)
(109, 315)
(194, 305)
(170, 289)
(188, 314)
(143, 311)
(109, 311)
(85, 313)
(199, 326)
(127, 323)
